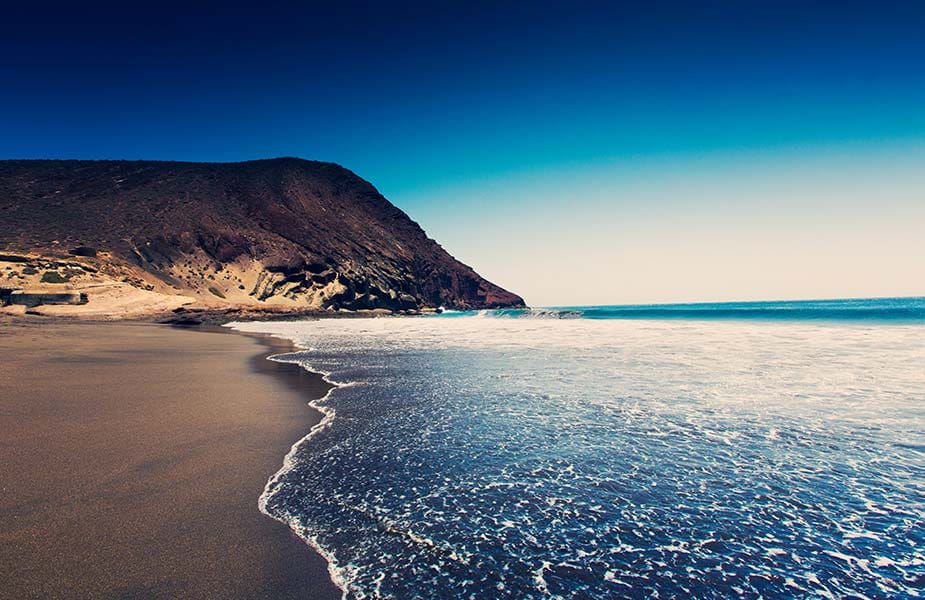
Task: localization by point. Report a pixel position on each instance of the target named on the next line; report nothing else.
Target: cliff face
(284, 232)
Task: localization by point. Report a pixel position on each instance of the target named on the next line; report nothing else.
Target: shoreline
(292, 371)
(136, 456)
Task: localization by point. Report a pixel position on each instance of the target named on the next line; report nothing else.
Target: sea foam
(529, 458)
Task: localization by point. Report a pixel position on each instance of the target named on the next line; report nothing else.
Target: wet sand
(131, 460)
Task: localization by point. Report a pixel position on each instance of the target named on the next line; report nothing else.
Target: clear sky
(589, 152)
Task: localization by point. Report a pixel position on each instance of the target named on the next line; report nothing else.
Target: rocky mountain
(281, 232)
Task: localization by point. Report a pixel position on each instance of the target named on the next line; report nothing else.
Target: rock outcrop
(279, 232)
(32, 298)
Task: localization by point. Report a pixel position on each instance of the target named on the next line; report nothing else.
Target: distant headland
(284, 235)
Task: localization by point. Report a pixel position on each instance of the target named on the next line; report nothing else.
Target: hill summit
(282, 232)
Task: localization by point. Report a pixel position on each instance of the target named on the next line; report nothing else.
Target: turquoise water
(537, 454)
(892, 310)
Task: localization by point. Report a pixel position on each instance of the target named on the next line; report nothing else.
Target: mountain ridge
(282, 232)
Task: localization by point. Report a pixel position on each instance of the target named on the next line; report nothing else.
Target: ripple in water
(570, 458)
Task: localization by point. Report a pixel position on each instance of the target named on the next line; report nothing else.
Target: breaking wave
(898, 310)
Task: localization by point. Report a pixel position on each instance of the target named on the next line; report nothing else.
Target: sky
(575, 153)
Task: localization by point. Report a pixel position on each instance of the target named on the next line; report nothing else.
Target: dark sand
(131, 460)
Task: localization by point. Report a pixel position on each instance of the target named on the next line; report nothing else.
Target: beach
(132, 459)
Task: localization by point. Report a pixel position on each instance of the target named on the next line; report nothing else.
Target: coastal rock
(84, 251)
(282, 232)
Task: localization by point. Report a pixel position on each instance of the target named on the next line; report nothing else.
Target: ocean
(753, 450)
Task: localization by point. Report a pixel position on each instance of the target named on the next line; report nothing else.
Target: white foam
(539, 579)
(727, 389)
(339, 575)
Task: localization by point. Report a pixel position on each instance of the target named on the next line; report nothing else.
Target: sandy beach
(132, 458)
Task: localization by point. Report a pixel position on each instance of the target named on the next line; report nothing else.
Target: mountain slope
(282, 232)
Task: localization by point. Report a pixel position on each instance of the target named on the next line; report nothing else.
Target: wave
(531, 313)
(893, 310)
(518, 459)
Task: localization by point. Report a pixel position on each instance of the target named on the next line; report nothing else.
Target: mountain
(282, 232)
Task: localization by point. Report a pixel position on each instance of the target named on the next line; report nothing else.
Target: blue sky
(668, 150)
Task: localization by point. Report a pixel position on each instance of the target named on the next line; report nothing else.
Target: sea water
(746, 450)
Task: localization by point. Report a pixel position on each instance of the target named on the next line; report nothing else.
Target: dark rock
(183, 321)
(54, 277)
(187, 309)
(407, 302)
(84, 251)
(285, 263)
(325, 277)
(37, 298)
